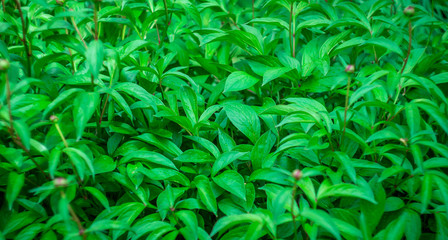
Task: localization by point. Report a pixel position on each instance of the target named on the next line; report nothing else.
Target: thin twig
(78, 32)
(294, 189)
(81, 229)
(158, 34)
(25, 44)
(409, 46)
(12, 131)
(102, 111)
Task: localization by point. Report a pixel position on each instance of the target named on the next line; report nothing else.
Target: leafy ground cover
(223, 119)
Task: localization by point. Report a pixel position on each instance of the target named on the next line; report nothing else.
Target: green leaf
(227, 222)
(84, 106)
(238, 81)
(94, 57)
(348, 166)
(245, 119)
(271, 21)
(205, 192)
(344, 190)
(99, 196)
(77, 156)
(24, 133)
(232, 182)
(61, 98)
(361, 92)
(426, 191)
(140, 93)
(322, 219)
(194, 156)
(53, 161)
(15, 184)
(163, 144)
(189, 103)
(385, 43)
(225, 159)
(148, 156)
(274, 73)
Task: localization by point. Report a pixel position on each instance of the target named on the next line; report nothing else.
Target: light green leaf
(238, 81)
(15, 184)
(232, 182)
(84, 106)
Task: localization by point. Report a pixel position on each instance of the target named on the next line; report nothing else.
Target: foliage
(188, 119)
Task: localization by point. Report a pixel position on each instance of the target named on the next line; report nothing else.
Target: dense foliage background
(185, 119)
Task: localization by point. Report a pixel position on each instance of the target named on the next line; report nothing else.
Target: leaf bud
(297, 174)
(409, 11)
(4, 65)
(350, 68)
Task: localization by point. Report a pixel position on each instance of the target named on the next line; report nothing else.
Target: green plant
(223, 119)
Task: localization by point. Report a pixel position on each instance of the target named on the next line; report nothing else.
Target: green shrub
(223, 119)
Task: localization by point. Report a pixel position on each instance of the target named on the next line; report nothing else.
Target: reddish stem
(409, 46)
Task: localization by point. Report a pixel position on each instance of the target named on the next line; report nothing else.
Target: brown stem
(82, 231)
(69, 50)
(294, 189)
(374, 51)
(3, 4)
(25, 44)
(409, 46)
(346, 109)
(158, 34)
(11, 128)
(102, 111)
(171, 14)
(78, 32)
(234, 23)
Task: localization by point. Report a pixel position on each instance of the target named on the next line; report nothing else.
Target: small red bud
(60, 182)
(297, 174)
(350, 68)
(54, 119)
(409, 11)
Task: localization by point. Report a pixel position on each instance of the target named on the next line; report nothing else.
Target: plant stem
(409, 46)
(11, 128)
(294, 189)
(78, 32)
(25, 44)
(346, 109)
(4, 7)
(75, 218)
(158, 34)
(61, 135)
(102, 111)
(69, 50)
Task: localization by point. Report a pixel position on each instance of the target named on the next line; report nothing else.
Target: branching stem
(25, 44)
